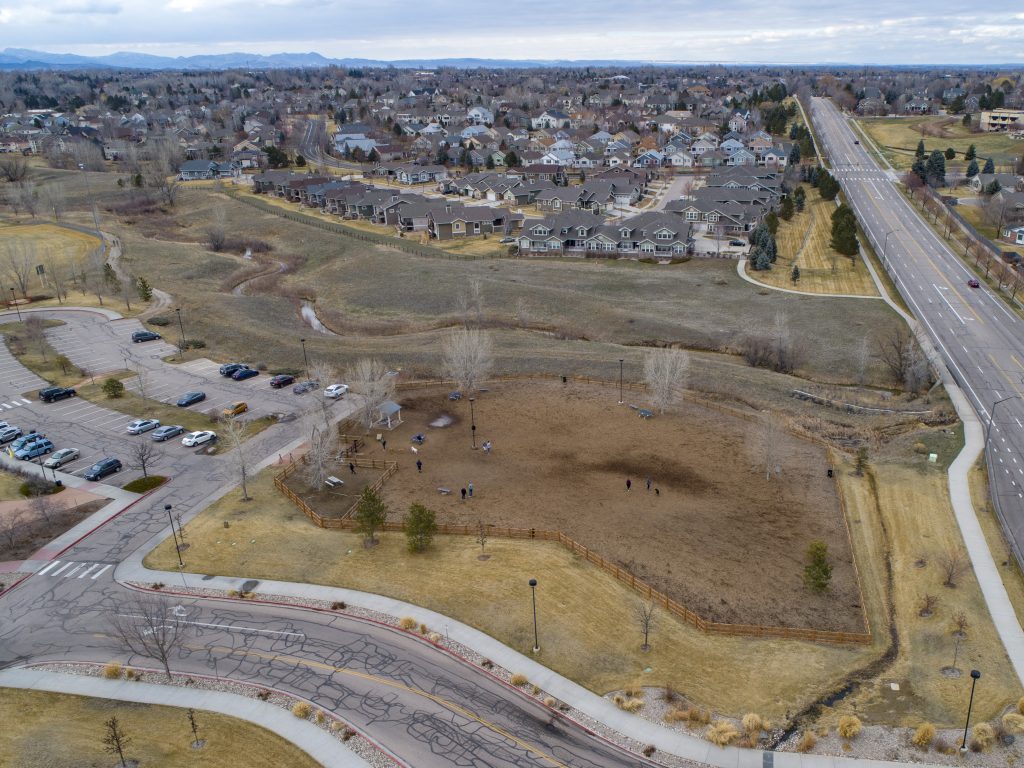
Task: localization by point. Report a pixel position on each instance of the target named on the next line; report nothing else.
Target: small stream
(308, 313)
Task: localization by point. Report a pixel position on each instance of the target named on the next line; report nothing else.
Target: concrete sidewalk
(310, 738)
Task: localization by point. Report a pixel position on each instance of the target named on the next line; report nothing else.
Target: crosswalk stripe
(71, 573)
(44, 569)
(101, 570)
(86, 571)
(5, 405)
(63, 567)
(26, 402)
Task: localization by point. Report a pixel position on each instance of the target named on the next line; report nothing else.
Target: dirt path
(161, 299)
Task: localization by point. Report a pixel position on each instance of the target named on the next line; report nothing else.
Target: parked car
(507, 240)
(25, 440)
(973, 283)
(167, 432)
(191, 398)
(102, 468)
(198, 438)
(244, 373)
(9, 433)
(139, 426)
(336, 390)
(234, 409)
(52, 394)
(305, 386)
(456, 395)
(33, 449)
(229, 368)
(281, 380)
(738, 243)
(145, 336)
(61, 457)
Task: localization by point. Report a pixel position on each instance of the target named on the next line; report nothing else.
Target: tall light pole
(177, 547)
(975, 674)
(14, 301)
(472, 421)
(992, 416)
(181, 327)
(620, 381)
(305, 359)
(536, 638)
(885, 244)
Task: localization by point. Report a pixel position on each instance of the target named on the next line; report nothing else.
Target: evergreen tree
(420, 527)
(374, 155)
(919, 152)
(490, 163)
(794, 274)
(971, 153)
(992, 187)
(972, 169)
(950, 153)
(511, 159)
(442, 155)
(828, 187)
(990, 167)
(919, 170)
(794, 155)
(145, 291)
(799, 199)
(371, 513)
(817, 572)
(844, 231)
(772, 222)
(300, 161)
(966, 122)
(935, 169)
(786, 209)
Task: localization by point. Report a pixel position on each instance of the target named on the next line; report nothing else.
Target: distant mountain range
(21, 58)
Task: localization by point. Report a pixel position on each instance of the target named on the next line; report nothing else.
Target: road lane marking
(101, 570)
(943, 297)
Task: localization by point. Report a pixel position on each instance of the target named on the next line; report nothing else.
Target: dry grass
(301, 710)
(10, 484)
(898, 137)
(44, 730)
(753, 723)
(112, 670)
(519, 680)
(923, 736)
(849, 726)
(804, 239)
(1013, 722)
(42, 359)
(807, 742)
(628, 704)
(407, 623)
(722, 733)
(983, 734)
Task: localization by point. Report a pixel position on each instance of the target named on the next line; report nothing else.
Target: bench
(333, 482)
(444, 491)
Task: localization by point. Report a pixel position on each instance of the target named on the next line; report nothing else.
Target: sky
(782, 31)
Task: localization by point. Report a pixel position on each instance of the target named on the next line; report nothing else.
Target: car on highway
(9, 433)
(61, 457)
(281, 380)
(235, 409)
(145, 336)
(335, 391)
(244, 373)
(191, 398)
(102, 468)
(33, 449)
(52, 394)
(229, 368)
(139, 426)
(167, 432)
(856, 141)
(972, 283)
(198, 438)
(305, 386)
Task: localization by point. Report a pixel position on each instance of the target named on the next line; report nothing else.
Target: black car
(228, 369)
(191, 398)
(305, 386)
(102, 468)
(52, 394)
(281, 380)
(244, 373)
(145, 336)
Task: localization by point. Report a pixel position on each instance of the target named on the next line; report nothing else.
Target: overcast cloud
(868, 31)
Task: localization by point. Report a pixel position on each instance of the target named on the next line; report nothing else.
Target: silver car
(61, 457)
(139, 426)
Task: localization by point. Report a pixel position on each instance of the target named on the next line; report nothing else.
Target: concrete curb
(308, 737)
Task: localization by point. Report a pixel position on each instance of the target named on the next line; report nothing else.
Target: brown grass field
(898, 137)
(53, 730)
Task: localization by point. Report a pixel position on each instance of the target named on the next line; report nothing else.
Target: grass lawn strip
(898, 137)
(42, 730)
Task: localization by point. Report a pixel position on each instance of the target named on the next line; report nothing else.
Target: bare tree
(41, 505)
(323, 444)
(12, 198)
(481, 539)
(116, 741)
(29, 197)
(35, 332)
(58, 279)
(665, 373)
(893, 350)
(55, 199)
(14, 168)
(129, 290)
(522, 312)
(216, 234)
(768, 447)
(952, 563)
(369, 378)
(788, 354)
(148, 626)
(235, 433)
(863, 358)
(323, 372)
(644, 612)
(11, 526)
(467, 357)
(142, 456)
(92, 274)
(162, 171)
(20, 257)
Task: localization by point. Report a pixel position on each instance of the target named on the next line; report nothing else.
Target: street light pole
(17, 306)
(620, 381)
(536, 639)
(305, 359)
(177, 547)
(181, 327)
(885, 244)
(472, 421)
(992, 416)
(975, 674)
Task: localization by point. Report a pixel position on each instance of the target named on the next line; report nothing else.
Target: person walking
(351, 467)
(419, 465)
(471, 490)
(463, 494)
(629, 484)
(383, 445)
(648, 483)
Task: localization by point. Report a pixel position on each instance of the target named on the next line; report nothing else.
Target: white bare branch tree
(665, 373)
(323, 445)
(20, 258)
(467, 358)
(234, 432)
(149, 627)
(368, 378)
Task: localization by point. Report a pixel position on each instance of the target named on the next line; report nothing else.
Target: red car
(281, 380)
(973, 283)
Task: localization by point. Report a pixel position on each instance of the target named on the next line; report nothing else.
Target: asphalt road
(425, 707)
(979, 338)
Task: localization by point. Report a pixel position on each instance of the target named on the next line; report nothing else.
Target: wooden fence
(345, 521)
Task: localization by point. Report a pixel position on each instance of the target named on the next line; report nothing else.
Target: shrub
(407, 623)
(923, 736)
(807, 742)
(194, 344)
(301, 709)
(161, 321)
(634, 690)
(700, 716)
(818, 571)
(534, 689)
(319, 717)
(752, 723)
(347, 734)
(984, 734)
(434, 637)
(549, 701)
(942, 746)
(849, 726)
(669, 694)
(338, 606)
(337, 725)
(424, 629)
(112, 670)
(648, 750)
(1013, 722)
(722, 733)
(628, 705)
(113, 388)
(677, 715)
(263, 695)
(519, 680)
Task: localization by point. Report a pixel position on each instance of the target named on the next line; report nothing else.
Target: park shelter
(389, 414)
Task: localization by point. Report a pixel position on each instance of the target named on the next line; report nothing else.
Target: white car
(198, 438)
(336, 390)
(139, 426)
(61, 457)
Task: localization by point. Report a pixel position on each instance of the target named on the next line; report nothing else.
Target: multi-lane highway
(979, 338)
(425, 707)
